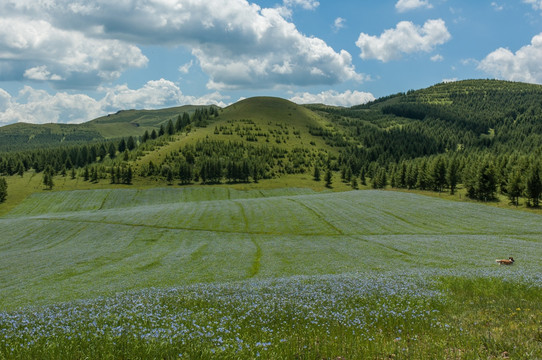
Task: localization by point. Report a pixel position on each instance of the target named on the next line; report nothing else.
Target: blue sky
(71, 61)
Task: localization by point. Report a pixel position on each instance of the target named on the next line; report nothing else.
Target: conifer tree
(3, 189)
(328, 178)
(514, 187)
(316, 174)
(533, 188)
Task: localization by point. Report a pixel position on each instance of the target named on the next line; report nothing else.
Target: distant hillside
(23, 136)
(449, 135)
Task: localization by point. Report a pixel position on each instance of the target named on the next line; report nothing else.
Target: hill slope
(22, 136)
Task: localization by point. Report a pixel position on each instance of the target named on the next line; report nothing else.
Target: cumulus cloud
(406, 5)
(536, 4)
(331, 97)
(338, 24)
(406, 38)
(43, 52)
(41, 73)
(437, 58)
(38, 106)
(237, 43)
(523, 65)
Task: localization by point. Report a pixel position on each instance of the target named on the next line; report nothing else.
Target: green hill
(448, 137)
(23, 136)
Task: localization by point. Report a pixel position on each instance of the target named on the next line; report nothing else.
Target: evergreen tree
(73, 173)
(94, 175)
(514, 187)
(112, 150)
(316, 174)
(170, 129)
(161, 131)
(485, 185)
(130, 144)
(178, 124)
(452, 175)
(112, 175)
(153, 134)
(122, 145)
(145, 137)
(185, 173)
(363, 177)
(328, 178)
(438, 174)
(533, 188)
(354, 183)
(3, 189)
(48, 178)
(86, 174)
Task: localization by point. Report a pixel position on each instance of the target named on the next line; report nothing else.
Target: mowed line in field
(58, 256)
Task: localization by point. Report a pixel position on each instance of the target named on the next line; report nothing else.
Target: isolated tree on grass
(328, 178)
(3, 189)
(316, 174)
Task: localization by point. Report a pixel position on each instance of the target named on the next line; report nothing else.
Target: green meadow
(212, 272)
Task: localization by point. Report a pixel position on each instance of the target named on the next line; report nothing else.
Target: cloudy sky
(74, 60)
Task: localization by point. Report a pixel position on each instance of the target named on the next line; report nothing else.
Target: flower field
(216, 273)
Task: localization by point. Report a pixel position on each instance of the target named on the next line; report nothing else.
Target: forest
(483, 135)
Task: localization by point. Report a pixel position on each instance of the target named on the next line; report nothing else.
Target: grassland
(282, 273)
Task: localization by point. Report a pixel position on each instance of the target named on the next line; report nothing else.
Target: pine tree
(170, 129)
(328, 178)
(316, 174)
(122, 146)
(3, 189)
(452, 175)
(533, 188)
(130, 144)
(48, 178)
(514, 187)
(112, 150)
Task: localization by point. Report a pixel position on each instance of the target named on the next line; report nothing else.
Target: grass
(203, 272)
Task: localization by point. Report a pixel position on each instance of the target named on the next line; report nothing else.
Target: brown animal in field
(508, 261)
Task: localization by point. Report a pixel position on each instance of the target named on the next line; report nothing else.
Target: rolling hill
(23, 136)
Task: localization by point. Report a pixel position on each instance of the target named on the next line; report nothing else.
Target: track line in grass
(318, 215)
(104, 200)
(256, 263)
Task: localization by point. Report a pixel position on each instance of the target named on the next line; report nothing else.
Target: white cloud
(496, 6)
(524, 65)
(536, 4)
(331, 97)
(237, 43)
(305, 4)
(43, 52)
(338, 24)
(38, 106)
(449, 80)
(186, 67)
(41, 73)
(437, 58)
(406, 5)
(406, 38)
